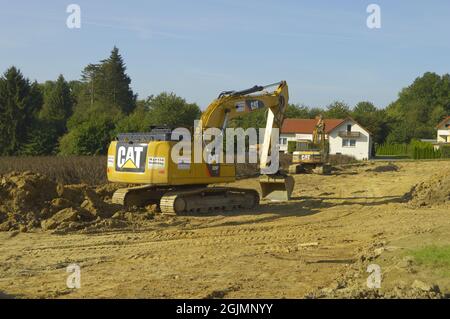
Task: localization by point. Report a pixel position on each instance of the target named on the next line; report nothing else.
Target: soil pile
(352, 283)
(384, 168)
(432, 192)
(345, 290)
(29, 201)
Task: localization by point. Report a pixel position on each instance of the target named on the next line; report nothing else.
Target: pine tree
(90, 76)
(42, 139)
(116, 83)
(108, 84)
(43, 136)
(19, 103)
(58, 105)
(104, 93)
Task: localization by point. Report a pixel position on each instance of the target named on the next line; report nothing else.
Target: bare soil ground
(317, 245)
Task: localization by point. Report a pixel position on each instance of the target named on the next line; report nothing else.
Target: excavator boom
(231, 104)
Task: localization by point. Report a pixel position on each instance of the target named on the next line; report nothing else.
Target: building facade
(443, 131)
(345, 136)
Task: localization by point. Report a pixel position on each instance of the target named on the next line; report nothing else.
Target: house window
(348, 142)
(349, 128)
(283, 140)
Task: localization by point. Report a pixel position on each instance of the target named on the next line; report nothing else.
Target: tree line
(81, 117)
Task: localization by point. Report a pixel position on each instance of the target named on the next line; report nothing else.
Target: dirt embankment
(432, 192)
(32, 201)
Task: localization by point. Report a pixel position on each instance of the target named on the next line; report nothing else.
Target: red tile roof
(443, 122)
(306, 126)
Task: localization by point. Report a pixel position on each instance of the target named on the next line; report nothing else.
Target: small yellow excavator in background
(182, 187)
(312, 156)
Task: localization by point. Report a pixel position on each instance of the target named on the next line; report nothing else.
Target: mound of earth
(384, 168)
(353, 282)
(432, 192)
(354, 291)
(32, 201)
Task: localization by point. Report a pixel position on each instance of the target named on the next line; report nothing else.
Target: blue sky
(198, 48)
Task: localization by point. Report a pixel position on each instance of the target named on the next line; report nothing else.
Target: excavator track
(185, 201)
(138, 196)
(207, 199)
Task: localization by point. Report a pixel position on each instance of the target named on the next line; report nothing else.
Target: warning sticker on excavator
(184, 163)
(110, 160)
(240, 107)
(254, 104)
(156, 162)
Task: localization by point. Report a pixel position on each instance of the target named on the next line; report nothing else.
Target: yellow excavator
(184, 186)
(312, 156)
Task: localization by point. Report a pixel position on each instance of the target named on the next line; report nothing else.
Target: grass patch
(437, 257)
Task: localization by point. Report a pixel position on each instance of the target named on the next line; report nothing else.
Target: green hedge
(445, 151)
(392, 149)
(416, 150)
(423, 150)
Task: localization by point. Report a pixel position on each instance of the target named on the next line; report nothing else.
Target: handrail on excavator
(254, 89)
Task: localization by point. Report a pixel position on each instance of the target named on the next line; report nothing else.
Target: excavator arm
(232, 104)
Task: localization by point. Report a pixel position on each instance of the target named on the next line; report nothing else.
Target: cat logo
(131, 158)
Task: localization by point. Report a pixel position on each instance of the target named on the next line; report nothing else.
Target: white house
(345, 136)
(443, 131)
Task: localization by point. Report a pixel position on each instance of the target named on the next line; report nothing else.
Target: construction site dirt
(318, 245)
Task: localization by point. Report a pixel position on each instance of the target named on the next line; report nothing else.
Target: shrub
(415, 149)
(423, 150)
(90, 138)
(392, 149)
(445, 151)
